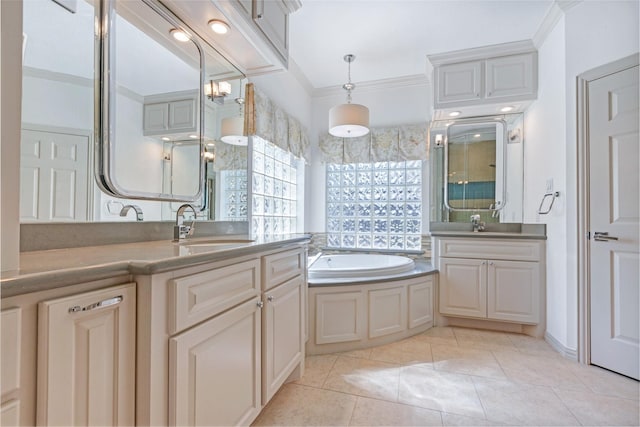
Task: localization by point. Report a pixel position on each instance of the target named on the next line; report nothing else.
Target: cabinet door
(463, 287)
(182, 115)
(282, 338)
(340, 317)
(457, 83)
(513, 290)
(273, 20)
(156, 118)
(86, 358)
(214, 370)
(510, 76)
(421, 303)
(387, 311)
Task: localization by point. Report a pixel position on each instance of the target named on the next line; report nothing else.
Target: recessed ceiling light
(477, 135)
(211, 144)
(218, 26)
(180, 35)
(166, 138)
(506, 109)
(193, 136)
(454, 114)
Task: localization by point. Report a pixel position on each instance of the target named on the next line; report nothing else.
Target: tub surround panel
(46, 236)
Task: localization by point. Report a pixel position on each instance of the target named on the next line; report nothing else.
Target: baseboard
(566, 352)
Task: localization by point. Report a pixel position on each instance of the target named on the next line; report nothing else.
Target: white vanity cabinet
(496, 76)
(283, 318)
(86, 358)
(170, 117)
(214, 352)
(496, 279)
(11, 336)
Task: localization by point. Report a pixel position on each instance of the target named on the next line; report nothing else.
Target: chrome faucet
(125, 210)
(476, 223)
(181, 231)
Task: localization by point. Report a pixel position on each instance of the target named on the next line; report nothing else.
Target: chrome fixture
(349, 120)
(476, 223)
(217, 91)
(125, 210)
(181, 231)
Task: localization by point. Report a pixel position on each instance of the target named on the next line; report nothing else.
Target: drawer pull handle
(260, 304)
(270, 298)
(100, 304)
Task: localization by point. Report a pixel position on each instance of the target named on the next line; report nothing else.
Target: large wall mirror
(477, 169)
(164, 128)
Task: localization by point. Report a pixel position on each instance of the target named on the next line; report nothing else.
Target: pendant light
(349, 120)
(232, 128)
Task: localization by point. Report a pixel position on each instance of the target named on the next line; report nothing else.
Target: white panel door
(86, 358)
(463, 287)
(53, 176)
(282, 337)
(214, 370)
(614, 210)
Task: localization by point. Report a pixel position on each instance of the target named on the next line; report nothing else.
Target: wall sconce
(216, 91)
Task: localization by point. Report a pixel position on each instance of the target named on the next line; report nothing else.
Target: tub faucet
(181, 231)
(125, 210)
(476, 223)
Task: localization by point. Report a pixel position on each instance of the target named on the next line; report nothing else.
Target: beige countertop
(48, 269)
(489, 235)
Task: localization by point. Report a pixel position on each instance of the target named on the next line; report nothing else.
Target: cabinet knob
(260, 304)
(491, 263)
(270, 298)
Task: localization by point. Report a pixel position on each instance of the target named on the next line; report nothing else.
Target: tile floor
(454, 377)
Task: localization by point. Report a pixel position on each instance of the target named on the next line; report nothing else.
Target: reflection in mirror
(57, 168)
(142, 62)
(477, 169)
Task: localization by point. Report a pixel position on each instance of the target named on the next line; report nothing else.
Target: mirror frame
(478, 121)
(104, 91)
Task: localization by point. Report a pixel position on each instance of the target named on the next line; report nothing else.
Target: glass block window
(234, 195)
(374, 205)
(274, 206)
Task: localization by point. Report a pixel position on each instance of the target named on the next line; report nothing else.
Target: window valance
(230, 157)
(270, 122)
(383, 144)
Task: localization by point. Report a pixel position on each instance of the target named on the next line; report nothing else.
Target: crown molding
(375, 85)
(557, 9)
(483, 52)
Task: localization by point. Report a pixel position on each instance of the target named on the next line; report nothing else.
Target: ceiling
(392, 38)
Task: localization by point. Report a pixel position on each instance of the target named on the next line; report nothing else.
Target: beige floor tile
(403, 353)
(464, 360)
(483, 339)
(363, 377)
(533, 346)
(593, 409)
(364, 353)
(522, 404)
(536, 370)
(608, 383)
(437, 335)
(455, 420)
(316, 369)
(372, 412)
(298, 405)
(441, 391)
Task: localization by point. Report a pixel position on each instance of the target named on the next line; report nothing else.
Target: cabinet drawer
(282, 266)
(203, 295)
(484, 248)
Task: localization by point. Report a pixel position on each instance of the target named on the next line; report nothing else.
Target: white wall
(590, 34)
(388, 106)
(545, 158)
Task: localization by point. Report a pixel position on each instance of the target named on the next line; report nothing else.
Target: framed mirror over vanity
(477, 169)
(132, 106)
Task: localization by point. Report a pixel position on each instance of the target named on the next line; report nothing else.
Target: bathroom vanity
(153, 333)
(491, 280)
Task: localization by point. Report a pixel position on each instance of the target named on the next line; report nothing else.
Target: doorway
(609, 218)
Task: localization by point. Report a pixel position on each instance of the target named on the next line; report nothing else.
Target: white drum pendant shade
(232, 131)
(349, 120)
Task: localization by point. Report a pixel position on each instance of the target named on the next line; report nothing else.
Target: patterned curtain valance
(270, 122)
(384, 144)
(230, 157)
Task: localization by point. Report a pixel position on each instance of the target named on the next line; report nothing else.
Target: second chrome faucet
(180, 230)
